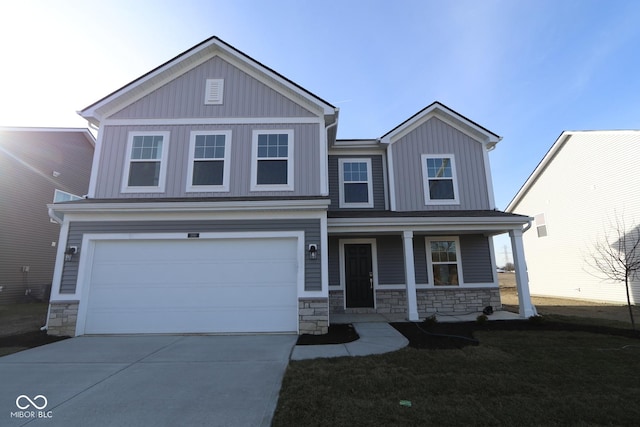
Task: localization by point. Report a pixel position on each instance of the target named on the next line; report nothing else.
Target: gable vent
(214, 91)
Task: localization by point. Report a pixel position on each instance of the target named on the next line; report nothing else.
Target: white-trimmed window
(541, 225)
(209, 153)
(440, 179)
(356, 189)
(443, 261)
(272, 160)
(146, 166)
(62, 196)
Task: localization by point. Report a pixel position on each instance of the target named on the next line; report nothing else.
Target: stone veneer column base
(313, 316)
(63, 316)
(457, 300)
(430, 301)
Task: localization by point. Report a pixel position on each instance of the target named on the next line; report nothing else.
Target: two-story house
(37, 166)
(221, 201)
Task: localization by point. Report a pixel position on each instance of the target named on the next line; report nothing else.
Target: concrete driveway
(145, 380)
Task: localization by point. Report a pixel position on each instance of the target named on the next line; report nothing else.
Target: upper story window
(541, 225)
(440, 179)
(62, 196)
(356, 189)
(444, 258)
(272, 161)
(146, 167)
(209, 161)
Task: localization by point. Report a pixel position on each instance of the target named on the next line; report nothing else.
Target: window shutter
(214, 91)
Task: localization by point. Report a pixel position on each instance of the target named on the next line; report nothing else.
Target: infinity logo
(31, 402)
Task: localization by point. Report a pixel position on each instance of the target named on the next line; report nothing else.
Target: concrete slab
(375, 338)
(304, 352)
(160, 381)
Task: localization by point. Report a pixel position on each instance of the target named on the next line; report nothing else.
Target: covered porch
(410, 265)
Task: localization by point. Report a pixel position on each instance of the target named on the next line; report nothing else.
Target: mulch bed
(445, 335)
(29, 339)
(338, 334)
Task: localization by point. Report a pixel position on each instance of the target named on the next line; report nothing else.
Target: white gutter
(53, 216)
(183, 206)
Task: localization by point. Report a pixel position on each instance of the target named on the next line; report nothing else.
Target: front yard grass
(514, 378)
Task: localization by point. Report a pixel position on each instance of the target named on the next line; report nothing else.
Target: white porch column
(410, 273)
(522, 277)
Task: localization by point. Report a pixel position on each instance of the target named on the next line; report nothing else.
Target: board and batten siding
(592, 179)
(390, 252)
(311, 228)
(475, 252)
(306, 151)
(477, 265)
(437, 137)
(377, 175)
(244, 96)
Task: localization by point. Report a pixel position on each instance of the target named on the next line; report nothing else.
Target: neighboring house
(221, 201)
(584, 182)
(38, 166)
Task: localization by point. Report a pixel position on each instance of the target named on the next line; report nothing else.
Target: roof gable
(447, 115)
(190, 59)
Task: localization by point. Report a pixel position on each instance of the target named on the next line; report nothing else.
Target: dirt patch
(21, 318)
(565, 306)
(338, 334)
(14, 343)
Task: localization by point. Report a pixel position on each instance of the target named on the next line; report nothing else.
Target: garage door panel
(182, 274)
(208, 285)
(230, 296)
(197, 321)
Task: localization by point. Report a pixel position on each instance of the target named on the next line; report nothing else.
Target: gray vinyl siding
(390, 260)
(477, 265)
(244, 96)
(475, 252)
(27, 186)
(306, 152)
(437, 137)
(311, 228)
(377, 181)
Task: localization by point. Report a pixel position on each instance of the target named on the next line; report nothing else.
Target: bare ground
(565, 306)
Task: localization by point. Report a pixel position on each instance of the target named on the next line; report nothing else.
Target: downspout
(335, 123)
(326, 134)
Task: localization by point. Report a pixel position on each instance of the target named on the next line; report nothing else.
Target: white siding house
(584, 183)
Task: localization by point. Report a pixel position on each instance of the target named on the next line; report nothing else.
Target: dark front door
(359, 275)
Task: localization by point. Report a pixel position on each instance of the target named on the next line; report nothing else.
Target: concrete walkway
(375, 338)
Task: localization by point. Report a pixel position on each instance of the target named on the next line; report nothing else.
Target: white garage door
(196, 285)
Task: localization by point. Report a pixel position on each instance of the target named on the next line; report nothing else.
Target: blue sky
(525, 69)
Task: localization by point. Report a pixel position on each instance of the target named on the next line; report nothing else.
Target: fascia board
(164, 207)
(87, 134)
(429, 221)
